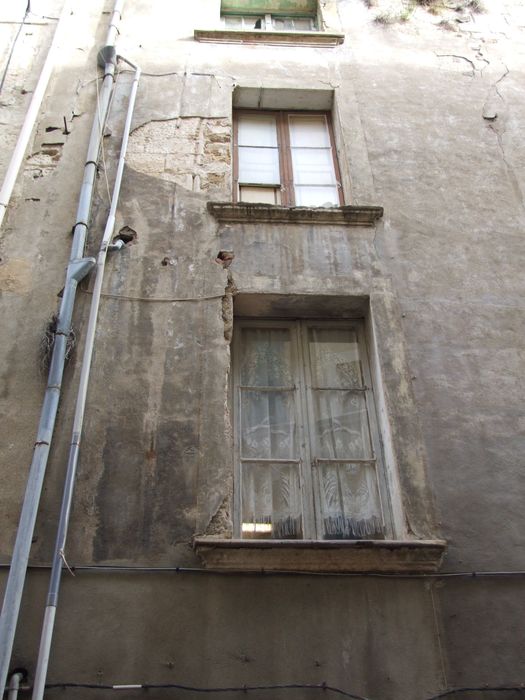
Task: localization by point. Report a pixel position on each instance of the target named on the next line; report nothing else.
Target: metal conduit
(77, 269)
(67, 498)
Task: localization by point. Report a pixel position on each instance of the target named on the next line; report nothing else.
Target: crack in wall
(489, 110)
(459, 57)
(511, 173)
(498, 127)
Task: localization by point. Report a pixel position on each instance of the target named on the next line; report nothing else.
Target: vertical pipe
(78, 267)
(67, 498)
(14, 685)
(31, 116)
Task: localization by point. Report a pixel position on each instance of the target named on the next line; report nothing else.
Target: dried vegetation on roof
(393, 11)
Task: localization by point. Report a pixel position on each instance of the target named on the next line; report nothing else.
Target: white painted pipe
(14, 685)
(31, 116)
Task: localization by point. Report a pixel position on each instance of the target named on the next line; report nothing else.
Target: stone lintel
(385, 556)
(241, 36)
(248, 213)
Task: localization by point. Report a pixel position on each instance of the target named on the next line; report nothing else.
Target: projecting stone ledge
(248, 213)
(242, 36)
(366, 556)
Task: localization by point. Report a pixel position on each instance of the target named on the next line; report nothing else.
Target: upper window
(270, 22)
(307, 443)
(285, 158)
(274, 22)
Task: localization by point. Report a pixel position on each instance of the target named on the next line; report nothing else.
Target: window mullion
(303, 382)
(337, 172)
(287, 174)
(236, 192)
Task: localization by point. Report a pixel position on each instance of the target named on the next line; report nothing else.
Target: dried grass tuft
(391, 15)
(476, 6)
(47, 344)
(448, 25)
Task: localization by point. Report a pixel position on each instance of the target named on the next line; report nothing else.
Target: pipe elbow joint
(117, 245)
(107, 54)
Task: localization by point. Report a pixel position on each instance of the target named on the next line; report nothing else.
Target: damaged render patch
(192, 151)
(44, 161)
(221, 523)
(227, 308)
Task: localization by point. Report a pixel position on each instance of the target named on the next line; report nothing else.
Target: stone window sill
(241, 36)
(249, 213)
(385, 556)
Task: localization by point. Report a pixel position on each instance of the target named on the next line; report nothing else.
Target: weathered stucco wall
(428, 126)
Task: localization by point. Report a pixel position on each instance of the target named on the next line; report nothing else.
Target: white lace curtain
(346, 495)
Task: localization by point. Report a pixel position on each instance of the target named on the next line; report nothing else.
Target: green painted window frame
(262, 7)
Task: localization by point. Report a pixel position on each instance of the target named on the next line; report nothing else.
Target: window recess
(307, 443)
(285, 158)
(272, 22)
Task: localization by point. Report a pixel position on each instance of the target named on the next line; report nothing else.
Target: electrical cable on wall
(287, 686)
(111, 568)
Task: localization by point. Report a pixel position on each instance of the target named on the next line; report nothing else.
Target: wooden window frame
(287, 193)
(304, 417)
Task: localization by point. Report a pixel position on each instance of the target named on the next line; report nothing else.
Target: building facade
(302, 446)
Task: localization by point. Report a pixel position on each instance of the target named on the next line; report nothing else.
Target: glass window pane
(303, 24)
(266, 357)
(349, 499)
(259, 165)
(271, 502)
(313, 166)
(257, 130)
(308, 196)
(293, 24)
(268, 429)
(308, 131)
(340, 425)
(232, 22)
(334, 357)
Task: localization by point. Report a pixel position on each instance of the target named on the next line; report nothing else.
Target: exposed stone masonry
(191, 151)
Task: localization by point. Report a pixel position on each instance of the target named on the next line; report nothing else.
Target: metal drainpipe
(31, 117)
(77, 269)
(54, 584)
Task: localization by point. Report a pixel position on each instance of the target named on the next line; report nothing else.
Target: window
(269, 22)
(274, 23)
(307, 442)
(285, 158)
